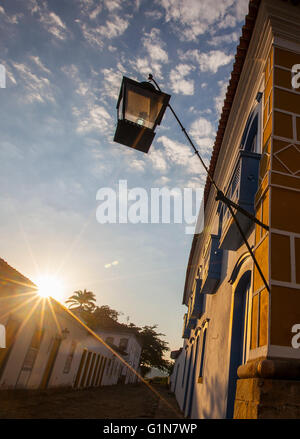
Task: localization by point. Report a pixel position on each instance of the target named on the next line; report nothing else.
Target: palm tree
(82, 301)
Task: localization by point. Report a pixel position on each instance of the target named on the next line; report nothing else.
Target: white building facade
(129, 347)
(47, 346)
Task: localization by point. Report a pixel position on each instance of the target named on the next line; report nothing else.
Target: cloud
(36, 88)
(229, 21)
(54, 25)
(197, 111)
(177, 162)
(154, 46)
(92, 35)
(90, 115)
(111, 48)
(50, 21)
(196, 182)
(81, 87)
(112, 78)
(137, 165)
(179, 84)
(11, 19)
(162, 181)
(176, 154)
(95, 12)
(208, 62)
(203, 133)
(95, 118)
(241, 9)
(91, 9)
(155, 55)
(180, 155)
(114, 27)
(112, 264)
(201, 127)
(96, 35)
(86, 6)
(144, 66)
(157, 159)
(39, 63)
(192, 18)
(112, 5)
(33, 6)
(55, 20)
(219, 100)
(220, 40)
(154, 15)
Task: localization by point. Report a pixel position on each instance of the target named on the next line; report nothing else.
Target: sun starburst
(50, 286)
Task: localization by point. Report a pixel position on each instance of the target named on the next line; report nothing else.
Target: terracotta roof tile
(11, 275)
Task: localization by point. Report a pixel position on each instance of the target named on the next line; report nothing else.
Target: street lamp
(140, 108)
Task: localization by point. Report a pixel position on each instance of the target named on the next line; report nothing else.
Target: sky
(64, 62)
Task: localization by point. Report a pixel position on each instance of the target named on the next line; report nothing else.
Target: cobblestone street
(109, 402)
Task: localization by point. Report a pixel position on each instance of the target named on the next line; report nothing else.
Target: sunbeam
(50, 286)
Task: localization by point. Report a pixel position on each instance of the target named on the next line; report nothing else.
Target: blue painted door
(238, 339)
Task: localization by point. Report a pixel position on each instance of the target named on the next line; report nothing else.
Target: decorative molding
(271, 368)
(205, 322)
(237, 268)
(293, 147)
(283, 352)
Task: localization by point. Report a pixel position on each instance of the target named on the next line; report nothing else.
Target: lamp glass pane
(142, 106)
(120, 109)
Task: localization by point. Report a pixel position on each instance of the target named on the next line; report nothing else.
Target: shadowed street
(134, 401)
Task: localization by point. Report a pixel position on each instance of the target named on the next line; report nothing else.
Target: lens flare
(50, 286)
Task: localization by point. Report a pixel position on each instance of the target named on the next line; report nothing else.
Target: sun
(50, 286)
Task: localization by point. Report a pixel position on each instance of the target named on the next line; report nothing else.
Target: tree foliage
(153, 349)
(82, 300)
(104, 317)
(101, 317)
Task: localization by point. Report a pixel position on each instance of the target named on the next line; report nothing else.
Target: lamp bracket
(221, 196)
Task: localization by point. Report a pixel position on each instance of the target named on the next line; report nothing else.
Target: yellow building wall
(278, 206)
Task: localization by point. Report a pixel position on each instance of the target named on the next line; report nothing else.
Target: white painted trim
(286, 187)
(286, 139)
(290, 90)
(282, 68)
(284, 232)
(293, 259)
(291, 46)
(279, 283)
(285, 174)
(290, 113)
(294, 120)
(2, 337)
